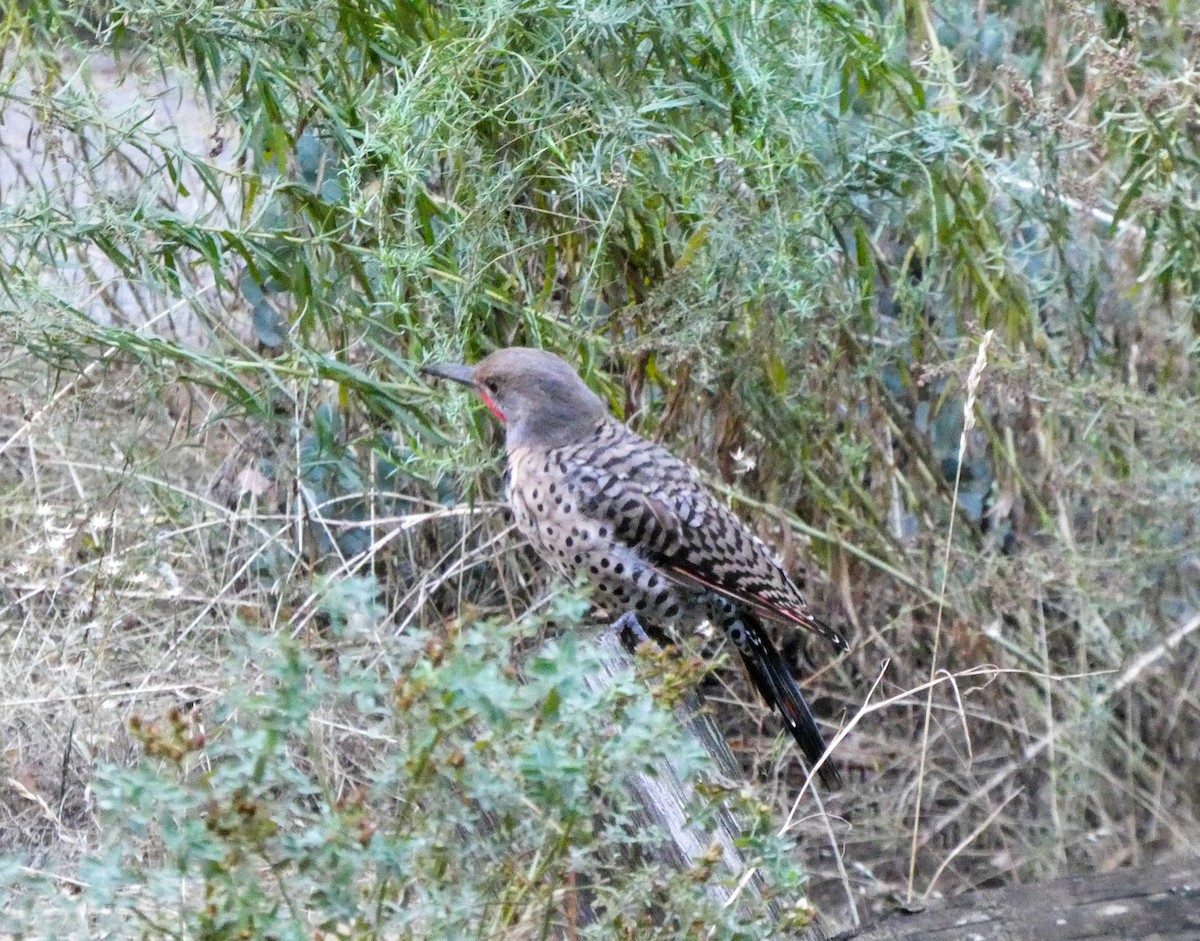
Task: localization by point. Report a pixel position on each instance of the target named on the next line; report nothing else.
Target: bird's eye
(492, 386)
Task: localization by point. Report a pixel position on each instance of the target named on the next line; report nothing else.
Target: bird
(599, 502)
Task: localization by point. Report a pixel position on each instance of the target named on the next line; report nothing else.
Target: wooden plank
(1152, 903)
(664, 794)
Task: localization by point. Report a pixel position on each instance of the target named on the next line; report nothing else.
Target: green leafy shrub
(471, 793)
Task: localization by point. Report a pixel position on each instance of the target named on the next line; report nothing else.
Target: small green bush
(475, 793)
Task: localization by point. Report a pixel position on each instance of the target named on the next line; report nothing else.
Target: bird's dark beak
(455, 372)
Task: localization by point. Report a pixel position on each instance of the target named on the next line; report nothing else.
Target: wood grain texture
(1152, 903)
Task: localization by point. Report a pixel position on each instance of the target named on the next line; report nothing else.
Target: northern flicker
(600, 502)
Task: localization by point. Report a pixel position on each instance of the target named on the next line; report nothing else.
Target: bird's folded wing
(655, 504)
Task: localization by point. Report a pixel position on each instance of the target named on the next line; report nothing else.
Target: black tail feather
(773, 680)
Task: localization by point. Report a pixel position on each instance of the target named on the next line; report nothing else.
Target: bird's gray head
(541, 399)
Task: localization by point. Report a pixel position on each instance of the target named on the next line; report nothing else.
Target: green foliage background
(773, 234)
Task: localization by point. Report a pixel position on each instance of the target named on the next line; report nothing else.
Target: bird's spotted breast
(578, 539)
